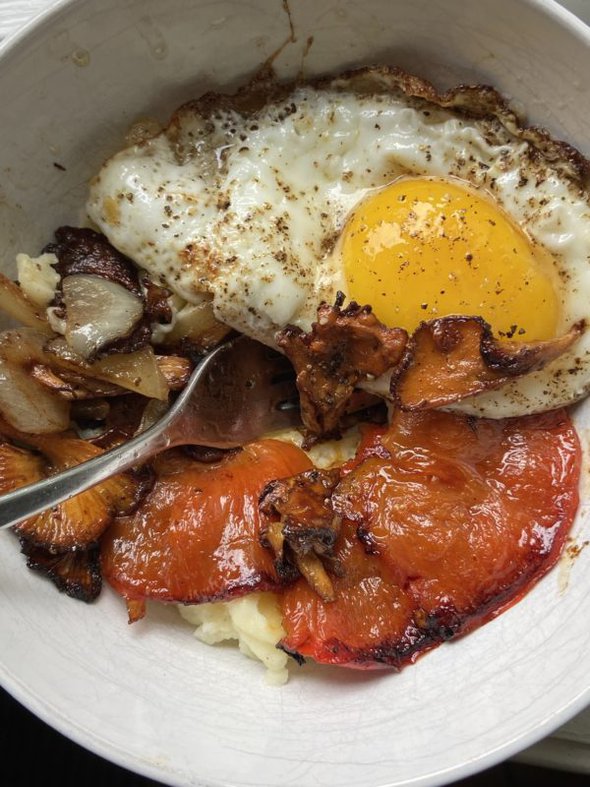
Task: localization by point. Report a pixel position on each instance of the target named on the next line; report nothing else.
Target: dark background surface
(33, 754)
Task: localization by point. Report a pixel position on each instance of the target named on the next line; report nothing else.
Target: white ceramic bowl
(150, 697)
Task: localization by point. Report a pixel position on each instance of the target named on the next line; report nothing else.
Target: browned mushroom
(76, 523)
(453, 357)
(105, 305)
(77, 574)
(344, 348)
(304, 534)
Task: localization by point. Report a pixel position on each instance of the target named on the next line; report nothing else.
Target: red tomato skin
(463, 517)
(195, 537)
(369, 625)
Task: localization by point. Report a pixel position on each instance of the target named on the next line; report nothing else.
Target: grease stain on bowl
(261, 42)
(584, 435)
(573, 547)
(14, 231)
(153, 37)
(570, 554)
(143, 129)
(219, 22)
(80, 57)
(62, 47)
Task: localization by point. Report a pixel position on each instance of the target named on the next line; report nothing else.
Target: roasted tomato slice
(370, 623)
(196, 537)
(466, 512)
(446, 521)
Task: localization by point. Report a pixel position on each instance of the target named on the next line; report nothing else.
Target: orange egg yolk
(422, 248)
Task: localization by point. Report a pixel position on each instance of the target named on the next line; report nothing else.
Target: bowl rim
(85, 737)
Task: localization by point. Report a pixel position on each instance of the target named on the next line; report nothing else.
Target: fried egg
(418, 204)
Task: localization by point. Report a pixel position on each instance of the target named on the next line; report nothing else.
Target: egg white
(248, 205)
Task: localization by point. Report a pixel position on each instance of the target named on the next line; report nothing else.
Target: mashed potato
(255, 621)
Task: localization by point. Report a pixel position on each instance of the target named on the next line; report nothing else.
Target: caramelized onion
(28, 405)
(73, 386)
(15, 304)
(196, 325)
(98, 312)
(137, 371)
(176, 370)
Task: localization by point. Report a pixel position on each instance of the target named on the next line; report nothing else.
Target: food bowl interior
(150, 697)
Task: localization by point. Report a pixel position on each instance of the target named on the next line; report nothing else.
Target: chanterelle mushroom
(303, 536)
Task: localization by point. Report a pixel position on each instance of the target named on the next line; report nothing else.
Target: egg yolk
(422, 248)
